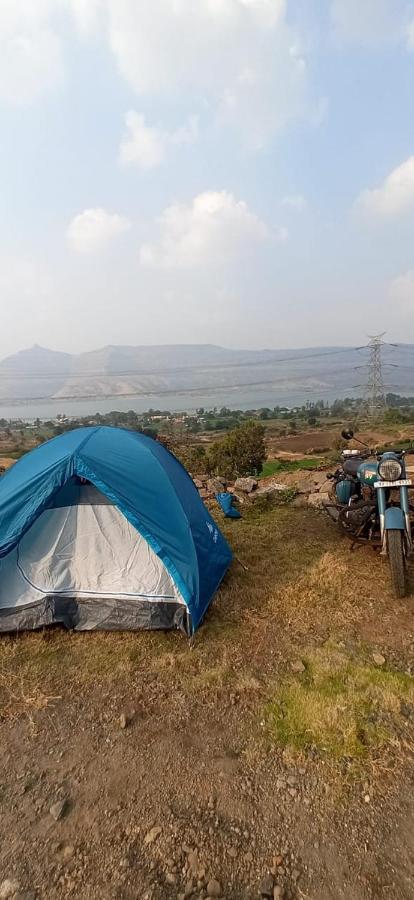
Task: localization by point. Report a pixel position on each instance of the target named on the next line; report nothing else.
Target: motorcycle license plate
(405, 482)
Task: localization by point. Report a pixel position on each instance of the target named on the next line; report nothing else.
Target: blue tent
(103, 528)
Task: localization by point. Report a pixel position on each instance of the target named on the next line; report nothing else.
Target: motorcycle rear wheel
(397, 561)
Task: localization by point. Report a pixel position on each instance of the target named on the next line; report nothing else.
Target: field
(274, 751)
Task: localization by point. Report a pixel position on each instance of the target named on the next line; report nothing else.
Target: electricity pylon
(375, 385)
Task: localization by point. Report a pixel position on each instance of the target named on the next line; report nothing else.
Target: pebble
(58, 810)
(8, 888)
(123, 721)
(213, 888)
(152, 835)
(379, 659)
(277, 892)
(297, 666)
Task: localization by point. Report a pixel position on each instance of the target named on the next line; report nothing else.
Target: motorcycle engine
(356, 516)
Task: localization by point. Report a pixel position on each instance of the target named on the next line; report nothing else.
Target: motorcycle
(370, 501)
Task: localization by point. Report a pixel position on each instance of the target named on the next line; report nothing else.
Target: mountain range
(116, 371)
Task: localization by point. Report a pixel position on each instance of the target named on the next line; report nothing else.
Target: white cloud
(214, 229)
(238, 57)
(147, 146)
(94, 229)
(394, 197)
(410, 35)
(368, 22)
(294, 201)
(31, 61)
(402, 292)
(86, 14)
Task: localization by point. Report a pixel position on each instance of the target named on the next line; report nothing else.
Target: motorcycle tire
(397, 561)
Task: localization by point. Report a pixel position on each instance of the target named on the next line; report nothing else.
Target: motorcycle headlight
(390, 470)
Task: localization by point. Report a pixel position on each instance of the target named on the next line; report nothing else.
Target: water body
(232, 398)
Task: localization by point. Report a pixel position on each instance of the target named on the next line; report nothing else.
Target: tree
(242, 452)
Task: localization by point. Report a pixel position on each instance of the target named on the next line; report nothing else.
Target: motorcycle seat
(351, 465)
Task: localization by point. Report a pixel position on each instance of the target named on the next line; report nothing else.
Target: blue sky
(231, 171)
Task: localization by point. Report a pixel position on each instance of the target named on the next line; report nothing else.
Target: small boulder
(216, 485)
(246, 485)
(318, 500)
(123, 721)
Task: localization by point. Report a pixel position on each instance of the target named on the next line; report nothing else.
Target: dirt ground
(211, 789)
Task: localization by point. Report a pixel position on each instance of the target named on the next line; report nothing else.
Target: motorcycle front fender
(394, 518)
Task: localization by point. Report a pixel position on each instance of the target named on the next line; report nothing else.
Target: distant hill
(115, 371)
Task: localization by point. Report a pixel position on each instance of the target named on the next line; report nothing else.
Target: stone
(318, 500)
(277, 892)
(379, 659)
(58, 809)
(271, 487)
(123, 721)
(246, 485)
(152, 835)
(232, 852)
(298, 667)
(68, 852)
(216, 485)
(213, 888)
(199, 484)
(170, 878)
(8, 888)
(266, 886)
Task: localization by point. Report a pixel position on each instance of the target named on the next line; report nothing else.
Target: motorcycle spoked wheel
(396, 557)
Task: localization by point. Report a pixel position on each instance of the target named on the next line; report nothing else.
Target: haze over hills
(122, 371)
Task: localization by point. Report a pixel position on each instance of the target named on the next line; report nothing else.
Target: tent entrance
(83, 553)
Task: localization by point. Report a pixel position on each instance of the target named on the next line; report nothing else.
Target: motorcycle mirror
(347, 434)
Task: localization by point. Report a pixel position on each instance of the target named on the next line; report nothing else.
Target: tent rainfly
(102, 528)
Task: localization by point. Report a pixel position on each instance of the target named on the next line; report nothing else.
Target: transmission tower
(375, 384)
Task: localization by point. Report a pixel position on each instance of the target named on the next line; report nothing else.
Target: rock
(170, 878)
(266, 886)
(213, 888)
(246, 485)
(58, 809)
(272, 487)
(68, 852)
(379, 659)
(216, 485)
(298, 667)
(318, 500)
(199, 484)
(152, 835)
(277, 892)
(204, 494)
(8, 888)
(123, 721)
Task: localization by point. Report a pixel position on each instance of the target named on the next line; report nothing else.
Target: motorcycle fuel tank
(368, 473)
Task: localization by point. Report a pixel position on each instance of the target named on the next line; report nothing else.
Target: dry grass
(300, 584)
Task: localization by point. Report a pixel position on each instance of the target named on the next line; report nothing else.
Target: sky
(238, 172)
